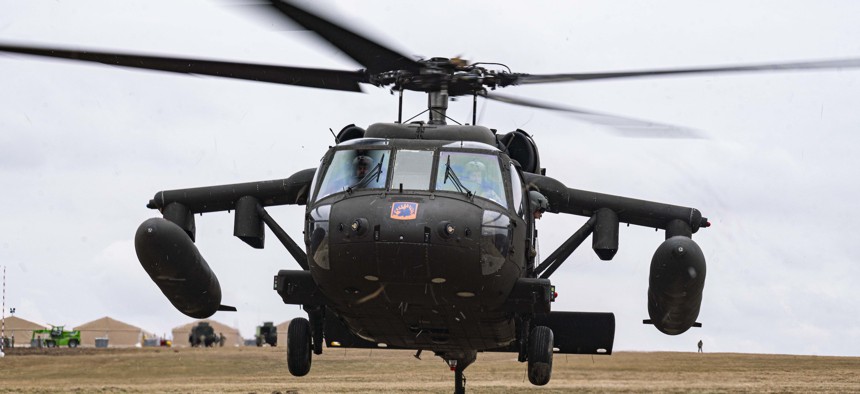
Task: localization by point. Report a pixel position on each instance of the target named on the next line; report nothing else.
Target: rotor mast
(437, 104)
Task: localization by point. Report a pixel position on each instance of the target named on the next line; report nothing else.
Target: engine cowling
(521, 147)
(675, 285)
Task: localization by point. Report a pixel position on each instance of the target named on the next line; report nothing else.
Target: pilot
(475, 171)
(362, 165)
(538, 203)
(476, 181)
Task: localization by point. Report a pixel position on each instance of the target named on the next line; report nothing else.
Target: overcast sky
(83, 147)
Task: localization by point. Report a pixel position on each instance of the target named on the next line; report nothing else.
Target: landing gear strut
(459, 381)
(458, 362)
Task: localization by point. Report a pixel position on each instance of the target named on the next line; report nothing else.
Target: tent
(282, 333)
(181, 333)
(21, 330)
(118, 334)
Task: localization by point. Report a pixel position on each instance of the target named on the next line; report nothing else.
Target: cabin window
(355, 169)
(474, 173)
(412, 170)
(495, 241)
(318, 236)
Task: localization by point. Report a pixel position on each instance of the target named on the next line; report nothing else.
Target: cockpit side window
(412, 170)
(474, 173)
(355, 169)
(316, 181)
(517, 190)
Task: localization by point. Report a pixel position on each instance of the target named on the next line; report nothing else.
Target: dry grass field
(264, 370)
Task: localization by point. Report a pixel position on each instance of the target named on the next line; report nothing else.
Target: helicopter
(352, 306)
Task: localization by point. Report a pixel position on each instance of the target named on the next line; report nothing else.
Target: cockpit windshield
(475, 173)
(412, 169)
(355, 169)
(470, 173)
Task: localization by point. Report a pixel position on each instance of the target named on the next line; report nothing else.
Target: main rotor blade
(624, 126)
(522, 79)
(309, 77)
(370, 54)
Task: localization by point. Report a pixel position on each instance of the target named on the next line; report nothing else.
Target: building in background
(21, 330)
(282, 333)
(112, 333)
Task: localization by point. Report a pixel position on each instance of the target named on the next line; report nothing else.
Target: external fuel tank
(675, 285)
(173, 262)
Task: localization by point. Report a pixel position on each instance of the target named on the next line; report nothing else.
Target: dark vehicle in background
(267, 334)
(204, 335)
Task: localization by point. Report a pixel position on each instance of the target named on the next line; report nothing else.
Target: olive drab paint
(422, 235)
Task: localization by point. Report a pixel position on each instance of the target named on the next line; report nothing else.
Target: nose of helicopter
(413, 249)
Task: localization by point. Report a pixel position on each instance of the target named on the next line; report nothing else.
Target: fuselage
(421, 246)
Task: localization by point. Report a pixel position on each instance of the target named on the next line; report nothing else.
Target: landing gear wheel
(299, 347)
(540, 355)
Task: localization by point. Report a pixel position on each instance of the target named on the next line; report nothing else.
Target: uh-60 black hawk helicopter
(420, 235)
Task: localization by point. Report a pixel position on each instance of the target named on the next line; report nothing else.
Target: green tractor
(55, 337)
(267, 334)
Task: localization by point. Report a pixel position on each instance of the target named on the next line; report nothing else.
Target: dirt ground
(264, 370)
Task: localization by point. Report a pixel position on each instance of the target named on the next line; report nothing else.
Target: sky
(83, 147)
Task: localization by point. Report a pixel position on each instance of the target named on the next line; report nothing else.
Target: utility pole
(3, 316)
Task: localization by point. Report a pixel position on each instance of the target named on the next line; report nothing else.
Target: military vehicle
(55, 337)
(203, 334)
(267, 334)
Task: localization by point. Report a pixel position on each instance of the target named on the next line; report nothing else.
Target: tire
(299, 347)
(73, 343)
(540, 355)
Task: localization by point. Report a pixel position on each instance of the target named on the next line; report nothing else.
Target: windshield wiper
(449, 173)
(376, 172)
